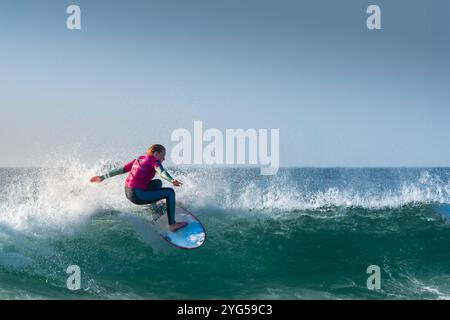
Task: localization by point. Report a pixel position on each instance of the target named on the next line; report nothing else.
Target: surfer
(141, 188)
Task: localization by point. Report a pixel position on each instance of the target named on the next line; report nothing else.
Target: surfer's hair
(156, 148)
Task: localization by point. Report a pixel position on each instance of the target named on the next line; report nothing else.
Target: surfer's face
(161, 156)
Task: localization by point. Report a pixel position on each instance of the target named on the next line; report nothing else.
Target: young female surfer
(139, 186)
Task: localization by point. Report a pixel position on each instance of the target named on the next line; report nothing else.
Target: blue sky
(340, 94)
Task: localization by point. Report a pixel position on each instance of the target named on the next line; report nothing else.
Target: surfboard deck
(189, 237)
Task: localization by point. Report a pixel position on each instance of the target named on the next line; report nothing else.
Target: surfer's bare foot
(177, 226)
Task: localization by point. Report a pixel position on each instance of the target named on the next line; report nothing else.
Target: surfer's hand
(177, 183)
(96, 179)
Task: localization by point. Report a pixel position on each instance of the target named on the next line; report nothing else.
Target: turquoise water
(302, 234)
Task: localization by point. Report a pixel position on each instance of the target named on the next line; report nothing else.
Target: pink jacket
(141, 171)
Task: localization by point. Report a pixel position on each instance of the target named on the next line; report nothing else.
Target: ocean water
(301, 234)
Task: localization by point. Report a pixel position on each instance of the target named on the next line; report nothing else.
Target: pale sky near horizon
(340, 94)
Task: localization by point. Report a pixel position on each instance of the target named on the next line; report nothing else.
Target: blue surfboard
(189, 237)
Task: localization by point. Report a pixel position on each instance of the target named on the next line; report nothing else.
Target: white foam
(281, 194)
(59, 199)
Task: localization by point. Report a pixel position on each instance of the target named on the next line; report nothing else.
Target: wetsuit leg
(154, 184)
(151, 196)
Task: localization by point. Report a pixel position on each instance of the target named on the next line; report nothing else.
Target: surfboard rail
(189, 237)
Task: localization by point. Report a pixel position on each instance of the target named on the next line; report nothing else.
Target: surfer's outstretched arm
(114, 172)
(166, 175)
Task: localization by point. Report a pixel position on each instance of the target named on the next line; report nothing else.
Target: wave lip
(303, 189)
